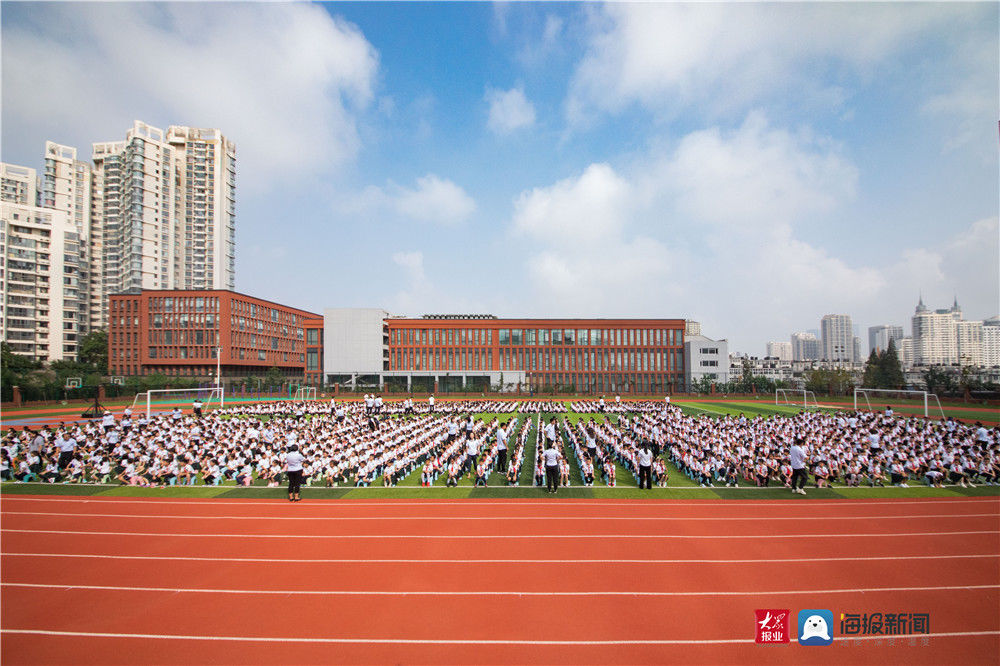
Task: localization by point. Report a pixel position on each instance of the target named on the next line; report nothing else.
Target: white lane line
(838, 535)
(455, 641)
(504, 503)
(269, 560)
(490, 518)
(488, 593)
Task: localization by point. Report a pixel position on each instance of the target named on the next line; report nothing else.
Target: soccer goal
(795, 397)
(305, 393)
(882, 396)
(164, 400)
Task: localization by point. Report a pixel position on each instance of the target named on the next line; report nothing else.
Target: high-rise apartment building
(39, 283)
(970, 342)
(935, 335)
(991, 343)
(167, 205)
(66, 186)
(880, 336)
(805, 347)
(780, 350)
(18, 184)
(837, 333)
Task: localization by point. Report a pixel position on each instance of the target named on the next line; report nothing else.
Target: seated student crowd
(343, 444)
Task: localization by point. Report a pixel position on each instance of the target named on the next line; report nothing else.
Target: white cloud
(757, 175)
(431, 199)
(413, 263)
(284, 81)
(510, 110)
(727, 57)
(435, 199)
(589, 208)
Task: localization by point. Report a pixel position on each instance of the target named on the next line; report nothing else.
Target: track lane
(529, 578)
(390, 508)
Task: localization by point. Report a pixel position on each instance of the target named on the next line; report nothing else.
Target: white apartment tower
(167, 205)
(935, 335)
(39, 283)
(970, 342)
(991, 343)
(805, 347)
(780, 350)
(837, 333)
(18, 184)
(66, 186)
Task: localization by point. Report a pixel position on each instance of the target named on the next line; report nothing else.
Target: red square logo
(772, 625)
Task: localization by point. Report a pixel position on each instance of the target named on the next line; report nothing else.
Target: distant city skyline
(640, 160)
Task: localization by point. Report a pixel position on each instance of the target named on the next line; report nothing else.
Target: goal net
(896, 398)
(804, 398)
(164, 400)
(305, 393)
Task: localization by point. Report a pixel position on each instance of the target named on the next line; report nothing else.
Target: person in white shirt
(430, 403)
(551, 459)
(645, 460)
(196, 406)
(108, 421)
(501, 450)
(798, 460)
(293, 466)
(550, 432)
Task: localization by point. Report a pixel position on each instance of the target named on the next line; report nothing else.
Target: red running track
(127, 580)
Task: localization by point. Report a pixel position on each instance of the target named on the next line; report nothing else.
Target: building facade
(991, 343)
(805, 347)
(18, 184)
(780, 350)
(705, 358)
(40, 288)
(880, 336)
(167, 207)
(464, 351)
(935, 335)
(192, 332)
(837, 336)
(66, 186)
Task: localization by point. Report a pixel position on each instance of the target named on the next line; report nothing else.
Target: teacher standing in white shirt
(293, 466)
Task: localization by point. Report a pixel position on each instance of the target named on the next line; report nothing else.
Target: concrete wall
(352, 340)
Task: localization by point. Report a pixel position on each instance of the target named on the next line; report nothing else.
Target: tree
(969, 382)
(938, 381)
(274, 377)
(872, 378)
(835, 381)
(890, 370)
(94, 350)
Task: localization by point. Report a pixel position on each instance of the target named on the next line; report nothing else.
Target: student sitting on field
(512, 475)
(481, 473)
(587, 470)
(660, 472)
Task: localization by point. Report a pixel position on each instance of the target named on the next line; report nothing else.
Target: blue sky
(750, 166)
